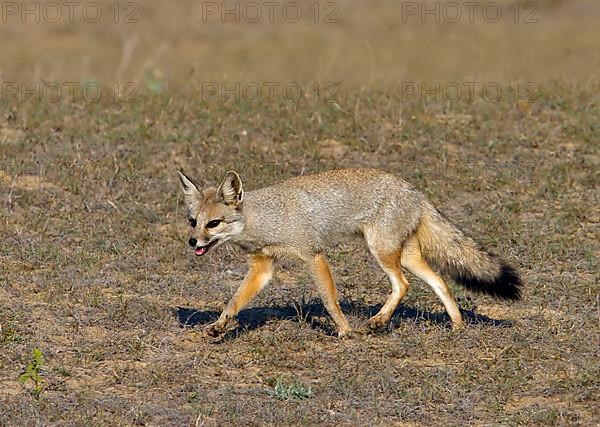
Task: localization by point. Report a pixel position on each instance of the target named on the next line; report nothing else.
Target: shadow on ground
(311, 312)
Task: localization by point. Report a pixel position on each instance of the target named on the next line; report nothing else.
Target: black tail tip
(507, 285)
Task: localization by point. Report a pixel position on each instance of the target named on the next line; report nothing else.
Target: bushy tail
(449, 250)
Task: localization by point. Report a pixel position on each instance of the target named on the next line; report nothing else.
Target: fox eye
(193, 222)
(213, 223)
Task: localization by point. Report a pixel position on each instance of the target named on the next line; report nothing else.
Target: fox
(303, 216)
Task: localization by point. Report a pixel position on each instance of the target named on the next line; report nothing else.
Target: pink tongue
(200, 251)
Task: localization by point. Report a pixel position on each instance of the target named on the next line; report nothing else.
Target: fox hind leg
(412, 259)
(389, 261)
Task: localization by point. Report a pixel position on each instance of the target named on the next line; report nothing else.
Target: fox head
(215, 214)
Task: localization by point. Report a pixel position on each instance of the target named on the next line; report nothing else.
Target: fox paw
(346, 334)
(218, 328)
(458, 326)
(215, 329)
(376, 322)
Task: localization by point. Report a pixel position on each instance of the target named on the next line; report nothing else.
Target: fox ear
(230, 190)
(190, 191)
(187, 185)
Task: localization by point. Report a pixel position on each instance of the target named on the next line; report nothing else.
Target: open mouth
(201, 250)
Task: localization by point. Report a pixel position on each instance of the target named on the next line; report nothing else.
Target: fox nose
(193, 242)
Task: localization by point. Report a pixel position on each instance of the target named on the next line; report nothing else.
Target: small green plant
(32, 373)
(193, 397)
(294, 390)
(9, 335)
(153, 80)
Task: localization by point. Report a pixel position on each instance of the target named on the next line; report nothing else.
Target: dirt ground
(103, 305)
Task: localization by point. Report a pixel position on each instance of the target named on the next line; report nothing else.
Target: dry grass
(95, 272)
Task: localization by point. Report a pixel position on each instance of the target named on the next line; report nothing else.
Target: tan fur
(456, 252)
(302, 216)
(414, 262)
(261, 271)
(390, 263)
(328, 292)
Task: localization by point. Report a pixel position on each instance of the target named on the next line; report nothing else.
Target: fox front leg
(261, 271)
(324, 281)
